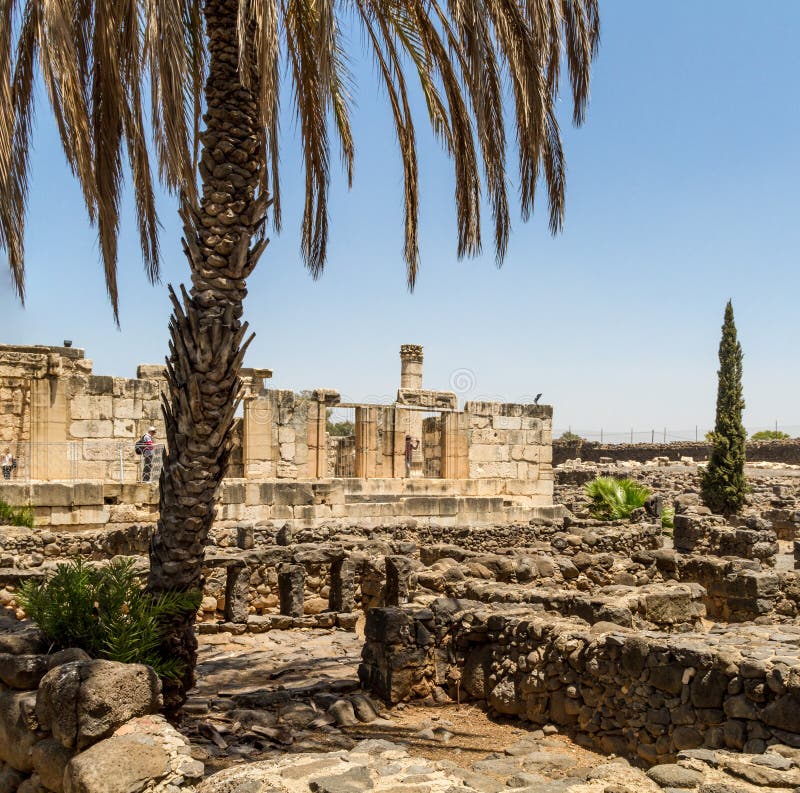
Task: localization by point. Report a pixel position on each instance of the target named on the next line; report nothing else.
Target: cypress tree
(723, 483)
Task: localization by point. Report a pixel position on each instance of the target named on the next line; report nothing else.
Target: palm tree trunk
(206, 331)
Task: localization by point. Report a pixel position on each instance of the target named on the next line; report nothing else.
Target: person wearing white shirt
(7, 464)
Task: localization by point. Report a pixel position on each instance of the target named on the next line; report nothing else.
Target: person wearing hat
(148, 444)
(411, 445)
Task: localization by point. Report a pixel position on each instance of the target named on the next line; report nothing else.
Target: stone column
(258, 429)
(411, 367)
(245, 536)
(342, 595)
(317, 441)
(237, 587)
(291, 589)
(366, 442)
(455, 451)
(49, 458)
(285, 535)
(398, 580)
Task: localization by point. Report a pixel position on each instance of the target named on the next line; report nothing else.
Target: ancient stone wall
(93, 505)
(704, 534)
(68, 722)
(646, 695)
(787, 451)
(510, 441)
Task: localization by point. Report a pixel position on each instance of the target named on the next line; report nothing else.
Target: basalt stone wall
(24, 548)
(646, 694)
(67, 722)
(581, 536)
(264, 564)
(737, 590)
(676, 607)
(29, 548)
(710, 534)
(596, 536)
(757, 451)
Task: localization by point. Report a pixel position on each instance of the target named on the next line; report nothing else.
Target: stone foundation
(83, 506)
(704, 534)
(68, 723)
(642, 694)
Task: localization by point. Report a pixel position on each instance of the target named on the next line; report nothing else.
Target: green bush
(615, 499)
(15, 516)
(668, 518)
(570, 437)
(106, 612)
(770, 435)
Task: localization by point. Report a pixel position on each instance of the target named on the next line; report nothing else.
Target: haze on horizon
(681, 193)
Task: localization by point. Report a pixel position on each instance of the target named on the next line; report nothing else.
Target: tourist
(148, 446)
(8, 464)
(411, 445)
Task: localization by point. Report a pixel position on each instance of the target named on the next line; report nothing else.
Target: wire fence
(110, 461)
(667, 435)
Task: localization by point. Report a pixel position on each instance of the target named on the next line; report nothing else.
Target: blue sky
(681, 193)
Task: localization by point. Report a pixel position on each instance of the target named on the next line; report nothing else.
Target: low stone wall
(711, 534)
(30, 548)
(84, 505)
(737, 590)
(68, 723)
(646, 694)
(677, 607)
(757, 451)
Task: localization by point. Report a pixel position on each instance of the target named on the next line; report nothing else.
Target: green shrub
(106, 612)
(615, 499)
(15, 516)
(570, 437)
(770, 435)
(668, 518)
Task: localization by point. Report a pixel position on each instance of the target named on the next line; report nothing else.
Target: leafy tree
(615, 499)
(570, 437)
(341, 428)
(723, 481)
(106, 611)
(770, 435)
(214, 72)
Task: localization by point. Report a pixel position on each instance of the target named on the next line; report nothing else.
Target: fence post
(665, 434)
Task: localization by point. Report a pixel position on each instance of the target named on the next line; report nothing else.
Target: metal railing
(110, 461)
(664, 434)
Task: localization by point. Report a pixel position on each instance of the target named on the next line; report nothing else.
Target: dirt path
(260, 696)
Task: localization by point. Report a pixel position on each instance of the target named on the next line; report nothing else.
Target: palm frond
(99, 60)
(615, 499)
